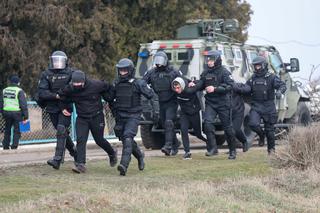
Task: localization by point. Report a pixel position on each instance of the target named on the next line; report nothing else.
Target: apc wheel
(302, 116)
(151, 140)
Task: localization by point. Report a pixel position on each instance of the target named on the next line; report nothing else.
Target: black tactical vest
(212, 79)
(126, 95)
(261, 90)
(58, 80)
(162, 82)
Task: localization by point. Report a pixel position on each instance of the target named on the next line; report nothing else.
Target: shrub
(301, 150)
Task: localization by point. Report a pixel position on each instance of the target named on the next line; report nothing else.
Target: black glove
(278, 95)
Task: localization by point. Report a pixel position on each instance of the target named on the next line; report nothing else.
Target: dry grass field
(249, 184)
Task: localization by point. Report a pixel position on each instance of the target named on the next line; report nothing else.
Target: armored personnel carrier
(187, 53)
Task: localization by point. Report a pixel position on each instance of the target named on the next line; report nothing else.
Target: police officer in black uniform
(127, 110)
(217, 82)
(263, 85)
(86, 94)
(190, 112)
(57, 77)
(14, 108)
(239, 90)
(160, 77)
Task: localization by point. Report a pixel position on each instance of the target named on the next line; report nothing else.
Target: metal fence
(42, 130)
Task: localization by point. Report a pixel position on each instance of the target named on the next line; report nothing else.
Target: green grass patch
(168, 184)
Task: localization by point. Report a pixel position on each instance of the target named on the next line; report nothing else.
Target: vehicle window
(252, 55)
(275, 62)
(183, 56)
(238, 54)
(228, 53)
(169, 56)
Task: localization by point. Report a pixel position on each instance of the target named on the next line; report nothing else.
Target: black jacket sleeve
(144, 89)
(279, 85)
(44, 89)
(190, 90)
(147, 76)
(241, 88)
(23, 105)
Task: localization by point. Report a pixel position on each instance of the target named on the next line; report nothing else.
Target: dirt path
(39, 154)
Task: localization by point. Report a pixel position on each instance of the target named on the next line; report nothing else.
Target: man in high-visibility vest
(13, 105)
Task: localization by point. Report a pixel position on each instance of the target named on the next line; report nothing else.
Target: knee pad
(127, 142)
(208, 127)
(118, 130)
(168, 124)
(61, 130)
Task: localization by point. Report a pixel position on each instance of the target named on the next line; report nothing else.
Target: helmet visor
(211, 58)
(160, 60)
(58, 62)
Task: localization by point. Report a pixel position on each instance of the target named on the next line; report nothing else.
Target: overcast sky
(292, 26)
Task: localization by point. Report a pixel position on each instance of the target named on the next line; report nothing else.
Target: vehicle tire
(302, 115)
(151, 140)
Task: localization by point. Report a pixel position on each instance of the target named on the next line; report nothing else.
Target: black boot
(54, 163)
(79, 168)
(169, 137)
(122, 169)
(245, 146)
(175, 146)
(139, 155)
(141, 162)
(113, 159)
(261, 140)
(212, 152)
(212, 148)
(127, 144)
(232, 155)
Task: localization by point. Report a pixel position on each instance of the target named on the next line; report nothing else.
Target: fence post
(73, 123)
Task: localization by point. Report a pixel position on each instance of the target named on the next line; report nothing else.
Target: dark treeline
(95, 34)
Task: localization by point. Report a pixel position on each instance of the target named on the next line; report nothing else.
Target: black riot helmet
(260, 64)
(78, 79)
(58, 60)
(125, 64)
(214, 55)
(160, 59)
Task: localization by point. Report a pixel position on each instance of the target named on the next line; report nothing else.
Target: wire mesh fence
(42, 130)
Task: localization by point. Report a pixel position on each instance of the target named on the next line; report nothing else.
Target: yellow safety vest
(10, 98)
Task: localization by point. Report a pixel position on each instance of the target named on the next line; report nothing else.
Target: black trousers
(187, 121)
(96, 125)
(126, 129)
(12, 119)
(225, 118)
(237, 120)
(269, 120)
(61, 123)
(168, 113)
